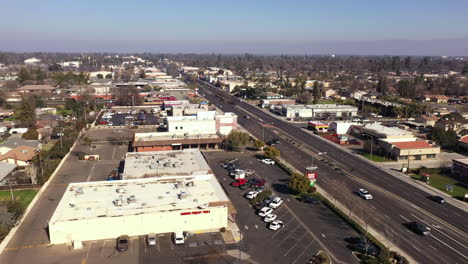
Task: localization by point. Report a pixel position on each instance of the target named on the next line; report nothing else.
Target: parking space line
(293, 246)
(305, 249)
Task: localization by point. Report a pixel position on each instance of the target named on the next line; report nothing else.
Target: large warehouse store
(108, 209)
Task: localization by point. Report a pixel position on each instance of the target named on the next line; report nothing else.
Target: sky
(355, 27)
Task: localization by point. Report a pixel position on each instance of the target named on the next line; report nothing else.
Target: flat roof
(90, 200)
(164, 163)
(387, 131)
(462, 161)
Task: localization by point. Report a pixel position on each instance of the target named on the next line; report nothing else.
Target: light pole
(311, 168)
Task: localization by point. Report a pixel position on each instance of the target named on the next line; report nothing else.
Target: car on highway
(438, 199)
(122, 243)
(268, 161)
(275, 225)
(419, 228)
(265, 211)
(270, 218)
(238, 182)
(364, 194)
(275, 203)
(151, 239)
(251, 194)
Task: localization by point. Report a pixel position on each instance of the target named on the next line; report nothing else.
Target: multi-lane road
(395, 201)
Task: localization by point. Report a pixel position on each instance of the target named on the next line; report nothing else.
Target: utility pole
(11, 191)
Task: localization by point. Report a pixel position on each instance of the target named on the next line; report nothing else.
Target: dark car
(269, 199)
(258, 183)
(438, 199)
(364, 248)
(419, 228)
(260, 205)
(122, 243)
(308, 199)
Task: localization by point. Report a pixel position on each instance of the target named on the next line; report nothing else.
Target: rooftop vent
(118, 202)
(120, 190)
(72, 204)
(183, 195)
(79, 191)
(131, 199)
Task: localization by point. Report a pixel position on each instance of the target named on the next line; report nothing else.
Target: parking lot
(307, 229)
(125, 118)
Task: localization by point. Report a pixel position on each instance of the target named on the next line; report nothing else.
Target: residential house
(327, 93)
(439, 99)
(463, 144)
(34, 88)
(21, 156)
(14, 142)
(427, 120)
(447, 125)
(7, 171)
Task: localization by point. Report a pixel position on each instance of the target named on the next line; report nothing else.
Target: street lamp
(311, 168)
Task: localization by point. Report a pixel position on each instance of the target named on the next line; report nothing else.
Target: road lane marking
(25, 247)
(303, 251)
(324, 235)
(91, 173)
(441, 232)
(256, 226)
(448, 246)
(406, 219)
(246, 227)
(433, 248)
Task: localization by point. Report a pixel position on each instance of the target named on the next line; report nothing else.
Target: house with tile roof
(410, 150)
(20, 156)
(427, 120)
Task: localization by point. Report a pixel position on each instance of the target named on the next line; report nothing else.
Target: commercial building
(410, 150)
(341, 127)
(317, 111)
(187, 162)
(271, 102)
(460, 169)
(109, 209)
(378, 131)
(204, 130)
(318, 126)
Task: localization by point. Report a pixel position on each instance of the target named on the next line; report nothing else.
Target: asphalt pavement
(340, 174)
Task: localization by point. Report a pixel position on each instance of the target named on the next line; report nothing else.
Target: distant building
(428, 121)
(270, 102)
(327, 93)
(317, 111)
(410, 150)
(460, 169)
(36, 88)
(446, 125)
(269, 96)
(70, 64)
(318, 126)
(6, 172)
(32, 61)
(463, 144)
(341, 127)
(14, 142)
(439, 98)
(21, 156)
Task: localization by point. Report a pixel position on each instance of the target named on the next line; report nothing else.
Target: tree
(272, 151)
(444, 138)
(25, 113)
(317, 93)
(127, 95)
(24, 75)
(31, 134)
(382, 85)
(259, 144)
(299, 183)
(236, 139)
(305, 97)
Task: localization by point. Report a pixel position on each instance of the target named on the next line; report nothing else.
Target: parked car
(179, 237)
(259, 183)
(260, 205)
(268, 161)
(275, 225)
(419, 228)
(251, 194)
(228, 164)
(308, 199)
(102, 122)
(438, 199)
(275, 203)
(151, 239)
(238, 182)
(365, 194)
(265, 211)
(110, 124)
(122, 243)
(269, 199)
(363, 248)
(270, 218)
(261, 189)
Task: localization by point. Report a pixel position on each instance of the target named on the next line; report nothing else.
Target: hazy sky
(405, 27)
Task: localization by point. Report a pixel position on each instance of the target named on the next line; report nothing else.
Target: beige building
(412, 150)
(109, 209)
(427, 120)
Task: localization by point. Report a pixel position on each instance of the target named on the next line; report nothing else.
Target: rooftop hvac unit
(174, 136)
(79, 191)
(120, 190)
(183, 195)
(190, 184)
(118, 202)
(186, 135)
(72, 204)
(176, 165)
(167, 164)
(131, 199)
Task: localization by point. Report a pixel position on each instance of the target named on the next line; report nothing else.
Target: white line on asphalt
(113, 153)
(406, 219)
(448, 246)
(256, 226)
(417, 248)
(91, 172)
(305, 249)
(246, 227)
(440, 232)
(293, 246)
(433, 248)
(324, 235)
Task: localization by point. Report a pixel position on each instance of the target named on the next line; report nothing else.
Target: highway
(341, 174)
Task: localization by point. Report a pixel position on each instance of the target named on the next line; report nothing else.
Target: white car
(275, 203)
(365, 194)
(270, 218)
(265, 211)
(251, 194)
(179, 237)
(268, 161)
(275, 225)
(110, 124)
(151, 239)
